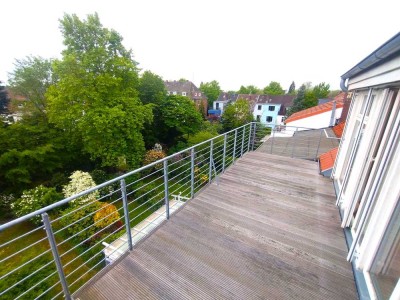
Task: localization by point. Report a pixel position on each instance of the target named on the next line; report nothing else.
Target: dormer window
(174, 92)
(183, 93)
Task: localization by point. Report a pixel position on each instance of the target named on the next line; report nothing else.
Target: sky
(234, 42)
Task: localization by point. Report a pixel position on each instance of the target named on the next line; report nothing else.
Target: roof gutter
(389, 48)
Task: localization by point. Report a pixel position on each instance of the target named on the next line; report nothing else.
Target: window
(183, 93)
(269, 119)
(199, 94)
(385, 271)
(217, 105)
(259, 107)
(175, 93)
(271, 108)
(169, 93)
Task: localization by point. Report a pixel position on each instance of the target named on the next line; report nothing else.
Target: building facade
(188, 89)
(366, 172)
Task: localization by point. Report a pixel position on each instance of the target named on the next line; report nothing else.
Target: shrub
(107, 215)
(35, 199)
(80, 181)
(79, 221)
(152, 156)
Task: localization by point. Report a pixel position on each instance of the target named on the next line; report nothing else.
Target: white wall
(317, 121)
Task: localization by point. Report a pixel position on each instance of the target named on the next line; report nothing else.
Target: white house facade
(367, 172)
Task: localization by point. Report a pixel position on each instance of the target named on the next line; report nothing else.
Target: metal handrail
(135, 199)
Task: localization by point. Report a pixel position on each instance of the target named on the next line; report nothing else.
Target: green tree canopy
(292, 88)
(250, 89)
(95, 98)
(308, 97)
(178, 119)
(211, 90)
(321, 90)
(274, 88)
(31, 78)
(151, 88)
(236, 114)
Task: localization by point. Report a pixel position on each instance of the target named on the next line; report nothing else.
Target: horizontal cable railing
(82, 234)
(299, 142)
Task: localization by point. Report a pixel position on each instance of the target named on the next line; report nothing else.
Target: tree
(274, 88)
(95, 99)
(32, 151)
(298, 102)
(250, 89)
(151, 88)
(178, 119)
(211, 90)
(292, 89)
(236, 114)
(31, 78)
(4, 99)
(321, 90)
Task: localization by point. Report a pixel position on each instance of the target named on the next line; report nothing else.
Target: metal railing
(79, 235)
(300, 142)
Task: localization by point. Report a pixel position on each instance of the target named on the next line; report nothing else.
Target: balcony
(255, 226)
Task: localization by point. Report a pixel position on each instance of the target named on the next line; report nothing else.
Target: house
(271, 109)
(366, 172)
(219, 105)
(320, 116)
(267, 109)
(188, 89)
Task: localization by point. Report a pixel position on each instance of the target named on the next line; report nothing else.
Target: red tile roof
(338, 129)
(327, 159)
(316, 110)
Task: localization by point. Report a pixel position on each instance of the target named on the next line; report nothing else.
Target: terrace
(256, 226)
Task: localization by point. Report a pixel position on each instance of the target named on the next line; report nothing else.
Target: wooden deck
(268, 230)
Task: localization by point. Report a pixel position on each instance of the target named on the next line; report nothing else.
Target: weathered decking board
(268, 230)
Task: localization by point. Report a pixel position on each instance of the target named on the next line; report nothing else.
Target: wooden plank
(268, 230)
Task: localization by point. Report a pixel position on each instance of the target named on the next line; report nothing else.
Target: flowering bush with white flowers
(80, 181)
(35, 199)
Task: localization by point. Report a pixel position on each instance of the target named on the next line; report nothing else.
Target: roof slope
(316, 110)
(327, 159)
(338, 129)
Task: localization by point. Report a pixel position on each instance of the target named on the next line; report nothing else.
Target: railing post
(126, 213)
(319, 143)
(243, 133)
(57, 259)
(234, 147)
(272, 138)
(192, 173)
(254, 136)
(224, 154)
(248, 142)
(211, 161)
(166, 193)
(294, 141)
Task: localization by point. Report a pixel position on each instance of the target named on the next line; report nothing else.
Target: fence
(77, 236)
(300, 142)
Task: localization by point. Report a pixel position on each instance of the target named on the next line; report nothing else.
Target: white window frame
(356, 176)
(183, 93)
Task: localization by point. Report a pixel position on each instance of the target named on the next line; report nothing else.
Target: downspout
(343, 85)
(333, 115)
